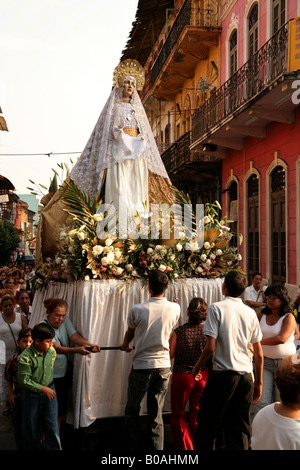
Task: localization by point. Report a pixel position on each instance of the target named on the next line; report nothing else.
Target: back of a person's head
(287, 378)
(53, 303)
(197, 310)
(236, 283)
(42, 331)
(158, 281)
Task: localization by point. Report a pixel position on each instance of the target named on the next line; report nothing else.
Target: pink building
(253, 119)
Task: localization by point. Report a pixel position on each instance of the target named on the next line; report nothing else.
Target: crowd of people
(234, 363)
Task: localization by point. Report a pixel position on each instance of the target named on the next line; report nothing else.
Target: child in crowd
(35, 373)
(14, 389)
(277, 426)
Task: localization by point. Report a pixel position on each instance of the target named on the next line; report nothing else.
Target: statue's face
(128, 87)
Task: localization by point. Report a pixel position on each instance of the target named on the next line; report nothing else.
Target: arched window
(233, 52)
(278, 224)
(253, 224)
(253, 30)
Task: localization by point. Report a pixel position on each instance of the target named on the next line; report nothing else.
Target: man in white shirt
(151, 323)
(254, 295)
(230, 328)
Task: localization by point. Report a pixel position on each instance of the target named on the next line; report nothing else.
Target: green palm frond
(79, 204)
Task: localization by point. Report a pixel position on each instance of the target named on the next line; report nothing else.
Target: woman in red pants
(186, 345)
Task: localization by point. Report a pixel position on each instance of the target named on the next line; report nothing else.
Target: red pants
(184, 388)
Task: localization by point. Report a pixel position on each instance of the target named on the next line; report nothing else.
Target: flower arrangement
(84, 255)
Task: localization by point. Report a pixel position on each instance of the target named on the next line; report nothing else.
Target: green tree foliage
(9, 241)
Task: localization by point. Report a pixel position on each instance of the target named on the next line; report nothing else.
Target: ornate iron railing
(206, 15)
(178, 153)
(263, 68)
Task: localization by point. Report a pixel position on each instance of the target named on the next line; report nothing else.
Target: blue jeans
(270, 392)
(38, 409)
(155, 383)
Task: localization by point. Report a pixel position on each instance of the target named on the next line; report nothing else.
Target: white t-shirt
(235, 326)
(154, 322)
(253, 295)
(272, 431)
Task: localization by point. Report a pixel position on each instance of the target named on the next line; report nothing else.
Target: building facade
(221, 94)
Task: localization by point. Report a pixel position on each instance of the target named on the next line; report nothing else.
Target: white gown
(126, 182)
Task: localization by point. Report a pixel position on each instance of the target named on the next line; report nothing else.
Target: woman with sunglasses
(278, 326)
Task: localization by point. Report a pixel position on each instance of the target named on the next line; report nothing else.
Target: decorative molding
(226, 8)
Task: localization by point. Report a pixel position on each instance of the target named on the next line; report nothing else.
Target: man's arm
(129, 335)
(259, 362)
(207, 352)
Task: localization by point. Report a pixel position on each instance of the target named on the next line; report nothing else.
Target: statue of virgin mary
(120, 161)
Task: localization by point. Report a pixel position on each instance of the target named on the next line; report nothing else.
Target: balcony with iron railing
(249, 89)
(178, 158)
(195, 29)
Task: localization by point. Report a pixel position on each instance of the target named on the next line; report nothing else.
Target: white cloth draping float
(98, 310)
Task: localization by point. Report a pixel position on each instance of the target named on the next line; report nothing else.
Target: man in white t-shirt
(230, 328)
(151, 324)
(254, 295)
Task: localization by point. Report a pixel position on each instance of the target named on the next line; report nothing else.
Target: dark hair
(279, 291)
(158, 281)
(236, 283)
(256, 274)
(52, 303)
(22, 291)
(24, 333)
(42, 331)
(197, 310)
(7, 297)
(287, 378)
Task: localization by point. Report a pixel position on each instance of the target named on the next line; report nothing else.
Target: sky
(57, 59)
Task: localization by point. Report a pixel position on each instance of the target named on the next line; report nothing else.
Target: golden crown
(129, 67)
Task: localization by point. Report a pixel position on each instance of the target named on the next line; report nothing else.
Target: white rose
(134, 273)
(219, 252)
(58, 260)
(199, 270)
(178, 247)
(65, 262)
(162, 267)
(206, 245)
(80, 236)
(208, 262)
(108, 241)
(104, 261)
(98, 217)
(86, 278)
(149, 251)
(119, 271)
(212, 256)
(158, 247)
(129, 267)
(110, 256)
(203, 257)
(97, 250)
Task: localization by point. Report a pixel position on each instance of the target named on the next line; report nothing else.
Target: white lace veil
(97, 156)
